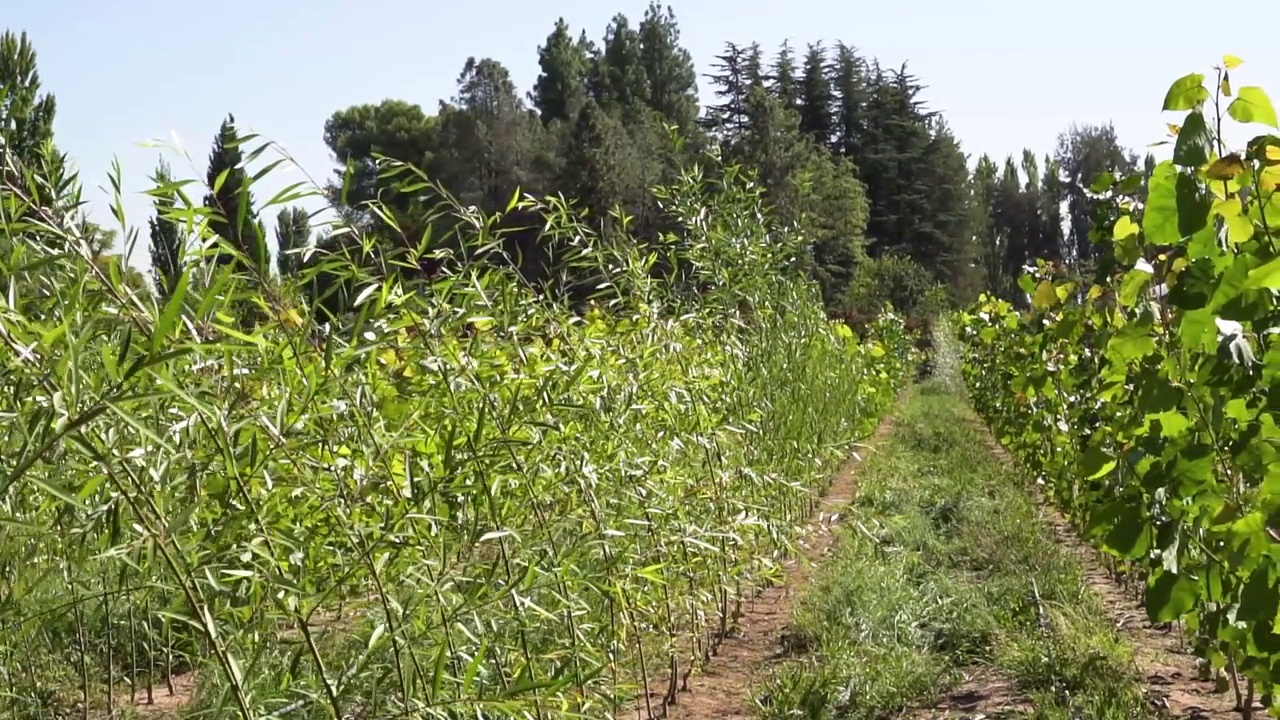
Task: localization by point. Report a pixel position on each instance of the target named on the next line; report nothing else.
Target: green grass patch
(945, 564)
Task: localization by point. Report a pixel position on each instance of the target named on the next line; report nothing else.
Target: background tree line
(843, 148)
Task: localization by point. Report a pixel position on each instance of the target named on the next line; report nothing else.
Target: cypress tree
(166, 244)
(293, 228)
(233, 218)
(816, 100)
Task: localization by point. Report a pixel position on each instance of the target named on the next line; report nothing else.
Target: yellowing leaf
(1231, 62)
(1225, 168)
(1045, 296)
(1174, 129)
(1269, 178)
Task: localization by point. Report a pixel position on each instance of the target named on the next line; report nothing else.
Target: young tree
(728, 119)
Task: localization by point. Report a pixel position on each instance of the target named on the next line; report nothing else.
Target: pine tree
(671, 78)
(619, 73)
(26, 115)
(817, 100)
(233, 218)
(561, 87)
(166, 237)
(851, 97)
(293, 229)
(729, 118)
(783, 81)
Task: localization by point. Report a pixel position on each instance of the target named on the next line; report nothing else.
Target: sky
(1006, 74)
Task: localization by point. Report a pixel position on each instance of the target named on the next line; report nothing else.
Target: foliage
(293, 230)
(890, 280)
(167, 246)
(1147, 400)
(455, 498)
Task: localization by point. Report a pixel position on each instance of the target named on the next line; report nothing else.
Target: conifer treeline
(844, 148)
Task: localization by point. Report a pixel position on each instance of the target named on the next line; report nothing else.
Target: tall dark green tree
(668, 67)
(230, 201)
(1084, 153)
(26, 114)
(166, 246)
(293, 229)
(849, 85)
(728, 117)
(816, 97)
(490, 143)
(619, 80)
(565, 64)
(785, 85)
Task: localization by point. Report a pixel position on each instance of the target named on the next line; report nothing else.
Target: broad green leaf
(1186, 93)
(1170, 596)
(1239, 226)
(1253, 106)
(1259, 599)
(1132, 342)
(1177, 206)
(1192, 147)
(1125, 227)
(1124, 528)
(1266, 275)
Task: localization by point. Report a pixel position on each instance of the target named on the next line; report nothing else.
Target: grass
(945, 566)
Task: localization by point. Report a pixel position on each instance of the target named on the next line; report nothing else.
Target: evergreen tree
(166, 237)
(817, 100)
(668, 68)
(26, 115)
(293, 229)
(620, 79)
(783, 80)
(561, 87)
(233, 217)
(728, 119)
(851, 97)
(490, 143)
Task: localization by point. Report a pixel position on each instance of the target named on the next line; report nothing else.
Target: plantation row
(475, 501)
(1147, 399)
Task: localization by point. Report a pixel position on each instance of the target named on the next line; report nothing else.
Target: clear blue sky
(1007, 74)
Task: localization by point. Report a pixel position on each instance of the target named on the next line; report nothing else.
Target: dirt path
(1168, 669)
(722, 690)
